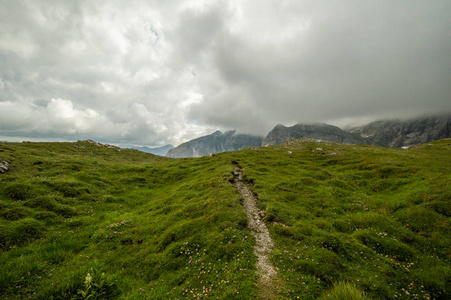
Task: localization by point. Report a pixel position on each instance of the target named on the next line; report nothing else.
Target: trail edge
(263, 242)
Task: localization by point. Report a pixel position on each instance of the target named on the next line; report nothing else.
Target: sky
(157, 72)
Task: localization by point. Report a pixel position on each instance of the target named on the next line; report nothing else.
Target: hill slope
(144, 226)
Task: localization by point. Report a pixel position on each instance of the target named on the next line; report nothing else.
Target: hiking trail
(263, 242)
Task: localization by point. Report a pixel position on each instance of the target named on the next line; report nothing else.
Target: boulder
(4, 167)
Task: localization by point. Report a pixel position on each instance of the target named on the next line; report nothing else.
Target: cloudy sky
(157, 72)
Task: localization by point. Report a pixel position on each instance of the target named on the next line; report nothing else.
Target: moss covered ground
(80, 220)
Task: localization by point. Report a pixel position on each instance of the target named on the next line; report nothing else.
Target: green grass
(377, 218)
(344, 291)
(147, 227)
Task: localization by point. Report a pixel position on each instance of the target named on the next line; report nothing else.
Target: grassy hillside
(79, 220)
(376, 217)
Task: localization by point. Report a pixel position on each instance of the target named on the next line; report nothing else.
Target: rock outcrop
(102, 145)
(215, 143)
(321, 131)
(4, 167)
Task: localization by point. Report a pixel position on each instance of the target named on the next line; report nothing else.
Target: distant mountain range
(215, 143)
(157, 150)
(387, 133)
(397, 133)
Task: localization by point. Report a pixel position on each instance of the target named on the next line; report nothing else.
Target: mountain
(321, 131)
(215, 143)
(386, 133)
(157, 150)
(407, 133)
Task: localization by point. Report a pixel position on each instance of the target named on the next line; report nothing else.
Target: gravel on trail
(264, 244)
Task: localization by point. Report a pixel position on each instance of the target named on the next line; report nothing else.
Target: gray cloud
(353, 60)
(153, 72)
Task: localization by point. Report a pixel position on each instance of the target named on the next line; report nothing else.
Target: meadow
(85, 221)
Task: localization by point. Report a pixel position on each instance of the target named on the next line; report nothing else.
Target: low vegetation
(344, 291)
(85, 221)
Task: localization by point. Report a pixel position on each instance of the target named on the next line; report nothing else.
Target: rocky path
(264, 244)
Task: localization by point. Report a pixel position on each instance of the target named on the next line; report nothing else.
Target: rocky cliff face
(389, 133)
(396, 133)
(281, 134)
(215, 143)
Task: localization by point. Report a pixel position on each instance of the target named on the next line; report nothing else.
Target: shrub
(344, 291)
(98, 286)
(93, 285)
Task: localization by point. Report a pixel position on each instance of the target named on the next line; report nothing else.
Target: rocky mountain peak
(322, 131)
(406, 133)
(215, 143)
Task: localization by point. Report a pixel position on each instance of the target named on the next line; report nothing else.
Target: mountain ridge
(382, 133)
(216, 142)
(161, 151)
(322, 131)
(405, 133)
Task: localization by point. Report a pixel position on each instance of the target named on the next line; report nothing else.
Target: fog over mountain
(383, 133)
(215, 143)
(164, 72)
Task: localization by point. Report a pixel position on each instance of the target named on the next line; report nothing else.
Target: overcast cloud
(157, 72)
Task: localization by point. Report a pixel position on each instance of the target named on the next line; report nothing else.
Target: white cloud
(61, 114)
(61, 109)
(58, 117)
(191, 98)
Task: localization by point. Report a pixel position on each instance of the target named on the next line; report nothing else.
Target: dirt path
(264, 244)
